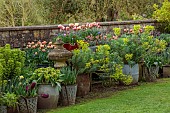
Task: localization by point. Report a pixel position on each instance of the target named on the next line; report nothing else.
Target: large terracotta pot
(48, 96)
(68, 94)
(27, 105)
(11, 110)
(83, 85)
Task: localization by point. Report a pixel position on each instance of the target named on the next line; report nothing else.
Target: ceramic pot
(48, 96)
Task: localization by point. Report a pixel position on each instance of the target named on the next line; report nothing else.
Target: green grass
(146, 98)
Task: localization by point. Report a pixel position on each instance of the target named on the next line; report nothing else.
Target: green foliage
(9, 99)
(47, 75)
(34, 12)
(12, 61)
(82, 57)
(69, 76)
(1, 72)
(162, 15)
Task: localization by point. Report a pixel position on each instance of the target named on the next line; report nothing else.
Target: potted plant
(166, 55)
(3, 107)
(48, 87)
(69, 86)
(166, 62)
(8, 102)
(79, 61)
(109, 66)
(26, 90)
(152, 56)
(128, 47)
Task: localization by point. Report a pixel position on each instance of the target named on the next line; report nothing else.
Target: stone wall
(18, 37)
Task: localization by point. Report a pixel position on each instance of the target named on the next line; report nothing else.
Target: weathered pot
(68, 94)
(3, 109)
(151, 74)
(134, 71)
(48, 96)
(166, 71)
(27, 105)
(11, 110)
(83, 85)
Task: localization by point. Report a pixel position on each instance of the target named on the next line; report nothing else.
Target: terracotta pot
(48, 96)
(68, 94)
(83, 85)
(11, 110)
(166, 71)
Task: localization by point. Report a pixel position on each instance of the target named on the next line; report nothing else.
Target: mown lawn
(146, 98)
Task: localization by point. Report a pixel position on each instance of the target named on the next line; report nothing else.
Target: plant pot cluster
(30, 87)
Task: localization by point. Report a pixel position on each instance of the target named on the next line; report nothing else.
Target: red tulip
(33, 85)
(27, 88)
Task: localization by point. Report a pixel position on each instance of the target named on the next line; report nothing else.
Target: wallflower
(21, 77)
(76, 51)
(128, 56)
(88, 65)
(125, 40)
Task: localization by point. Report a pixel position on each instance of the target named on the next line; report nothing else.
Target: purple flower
(44, 95)
(27, 88)
(33, 85)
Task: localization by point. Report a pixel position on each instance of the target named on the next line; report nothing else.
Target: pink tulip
(67, 28)
(44, 42)
(32, 43)
(50, 43)
(71, 25)
(43, 50)
(74, 28)
(79, 27)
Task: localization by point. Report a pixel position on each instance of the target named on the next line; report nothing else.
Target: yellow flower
(128, 56)
(107, 47)
(76, 51)
(88, 65)
(107, 60)
(125, 40)
(21, 77)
